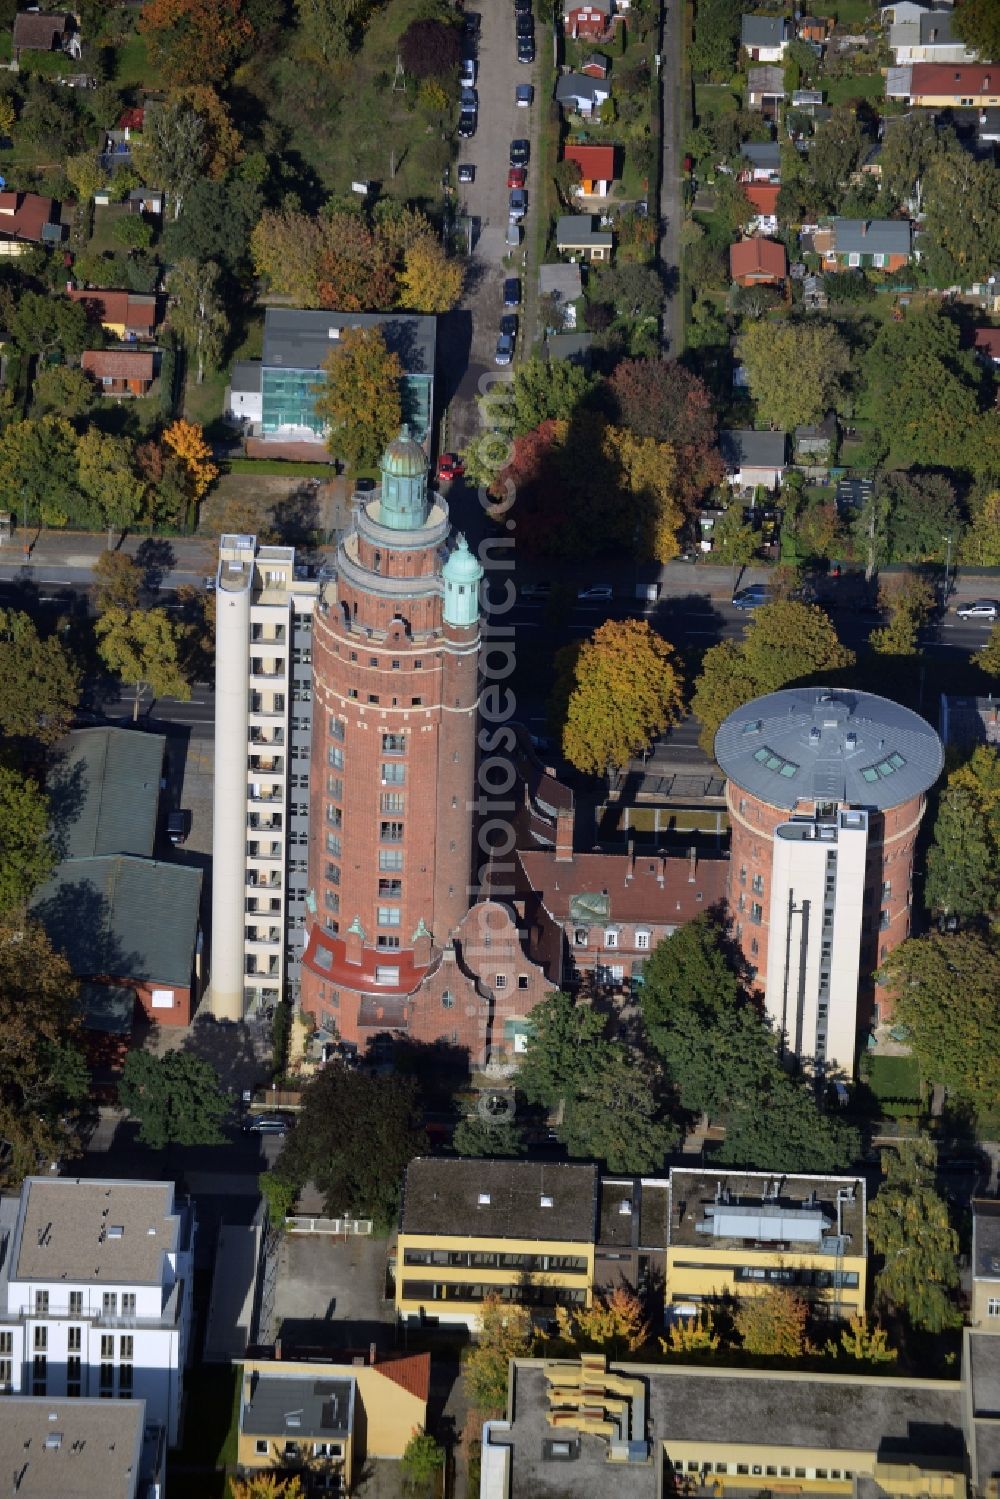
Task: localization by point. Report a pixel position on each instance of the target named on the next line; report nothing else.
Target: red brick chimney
(564, 835)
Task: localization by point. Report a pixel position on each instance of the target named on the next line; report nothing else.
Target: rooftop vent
(333, 334)
(293, 1418)
(54, 1441)
(116, 1231)
(625, 1207)
(814, 735)
(545, 1201)
(484, 1199)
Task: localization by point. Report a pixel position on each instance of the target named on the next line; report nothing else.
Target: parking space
(329, 1293)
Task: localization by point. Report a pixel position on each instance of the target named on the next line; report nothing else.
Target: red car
(517, 177)
(450, 466)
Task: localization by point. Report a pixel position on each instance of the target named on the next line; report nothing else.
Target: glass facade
(288, 399)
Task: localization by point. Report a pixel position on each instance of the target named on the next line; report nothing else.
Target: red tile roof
(988, 341)
(762, 195)
(22, 215)
(596, 163)
(131, 119)
(946, 78)
(639, 898)
(412, 1372)
(757, 257)
(125, 307)
(118, 364)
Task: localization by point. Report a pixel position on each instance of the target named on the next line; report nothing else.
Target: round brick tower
(392, 777)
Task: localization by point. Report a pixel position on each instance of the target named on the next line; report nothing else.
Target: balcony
(268, 670)
(271, 934)
(274, 709)
(275, 764)
(269, 634)
(271, 971)
(272, 738)
(272, 796)
(258, 850)
(269, 824)
(257, 880)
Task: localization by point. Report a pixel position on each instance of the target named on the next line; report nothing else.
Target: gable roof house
(753, 458)
(765, 38)
(814, 29)
(927, 38)
(578, 234)
(987, 344)
(763, 200)
(127, 314)
(763, 161)
(584, 96)
(867, 244)
(758, 262)
(120, 372)
(766, 90)
(596, 66)
(36, 32)
(597, 169)
(592, 19)
(932, 85)
(27, 219)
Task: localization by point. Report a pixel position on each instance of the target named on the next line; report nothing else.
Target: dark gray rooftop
(298, 339)
(105, 789)
(872, 236)
(734, 1198)
(807, 744)
(245, 377)
(124, 917)
(762, 153)
(740, 446)
(299, 1408)
(524, 1199)
(986, 1239)
(581, 229)
(984, 1360)
(763, 31)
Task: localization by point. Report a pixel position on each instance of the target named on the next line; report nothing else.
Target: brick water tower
(395, 713)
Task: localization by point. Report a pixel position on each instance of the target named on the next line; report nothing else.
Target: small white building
(96, 1293)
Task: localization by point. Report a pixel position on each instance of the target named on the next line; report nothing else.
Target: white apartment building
(263, 683)
(814, 951)
(96, 1293)
(81, 1449)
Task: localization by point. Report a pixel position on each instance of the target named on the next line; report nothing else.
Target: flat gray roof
(245, 377)
(698, 1196)
(984, 1358)
(986, 1239)
(298, 1407)
(67, 1231)
(298, 339)
(740, 446)
(105, 789)
(500, 1199)
(71, 1449)
(822, 744)
(563, 281)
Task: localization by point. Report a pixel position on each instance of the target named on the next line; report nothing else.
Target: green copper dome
(404, 457)
(461, 575)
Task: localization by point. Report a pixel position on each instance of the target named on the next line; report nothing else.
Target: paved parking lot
(329, 1293)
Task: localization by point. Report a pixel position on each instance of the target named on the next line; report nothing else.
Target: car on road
(467, 124)
(468, 73)
(267, 1124)
(987, 609)
(522, 7)
(178, 826)
(526, 49)
(525, 26)
(520, 151)
(505, 349)
(466, 172)
(450, 466)
(596, 591)
(512, 292)
(513, 236)
(468, 99)
(472, 20)
(524, 93)
(517, 177)
(754, 597)
(508, 326)
(518, 205)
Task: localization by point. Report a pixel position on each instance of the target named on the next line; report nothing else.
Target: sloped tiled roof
(118, 364)
(105, 789)
(757, 257)
(412, 1372)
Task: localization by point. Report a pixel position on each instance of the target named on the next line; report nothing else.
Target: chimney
(661, 878)
(371, 1354)
(864, 227)
(630, 862)
(277, 1349)
(692, 864)
(564, 835)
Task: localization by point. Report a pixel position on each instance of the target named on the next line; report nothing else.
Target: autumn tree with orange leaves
(773, 1323)
(614, 694)
(195, 41)
(186, 440)
(359, 400)
(616, 1321)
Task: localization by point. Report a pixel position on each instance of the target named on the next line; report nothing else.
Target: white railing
(297, 1224)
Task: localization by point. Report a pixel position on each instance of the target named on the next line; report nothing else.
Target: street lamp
(947, 566)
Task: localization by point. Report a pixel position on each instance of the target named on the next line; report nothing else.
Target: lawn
(132, 66)
(712, 99)
(103, 238)
(855, 14)
(893, 1077)
(858, 86)
(204, 403)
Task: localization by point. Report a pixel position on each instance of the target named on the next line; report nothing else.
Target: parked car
(467, 123)
(450, 466)
(178, 826)
(520, 151)
(267, 1124)
(522, 7)
(596, 591)
(466, 172)
(508, 326)
(505, 349)
(524, 94)
(472, 20)
(987, 609)
(525, 25)
(512, 238)
(468, 99)
(468, 73)
(518, 205)
(517, 177)
(512, 292)
(526, 49)
(754, 597)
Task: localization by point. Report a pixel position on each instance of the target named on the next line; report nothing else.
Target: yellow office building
(523, 1230)
(740, 1233)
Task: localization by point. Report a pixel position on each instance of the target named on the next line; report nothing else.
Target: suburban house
(765, 38)
(145, 200)
(927, 38)
(753, 458)
(596, 66)
(932, 85)
(763, 200)
(758, 262)
(987, 344)
(34, 31)
(96, 1297)
(326, 1415)
(868, 244)
(126, 314)
(766, 90)
(582, 95)
(814, 29)
(807, 100)
(104, 789)
(763, 161)
(592, 19)
(92, 1449)
(563, 285)
(120, 372)
(26, 219)
(578, 234)
(574, 348)
(597, 168)
(816, 440)
(276, 395)
(910, 10)
(131, 121)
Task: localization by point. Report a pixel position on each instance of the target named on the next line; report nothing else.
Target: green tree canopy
(962, 216)
(477, 1136)
(549, 389)
(977, 22)
(922, 390)
(26, 855)
(198, 314)
(908, 1226)
(785, 642)
(562, 1041)
(354, 1138)
(614, 693)
(176, 1099)
(617, 1114)
(39, 684)
(142, 648)
(795, 369)
(359, 400)
(963, 861)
